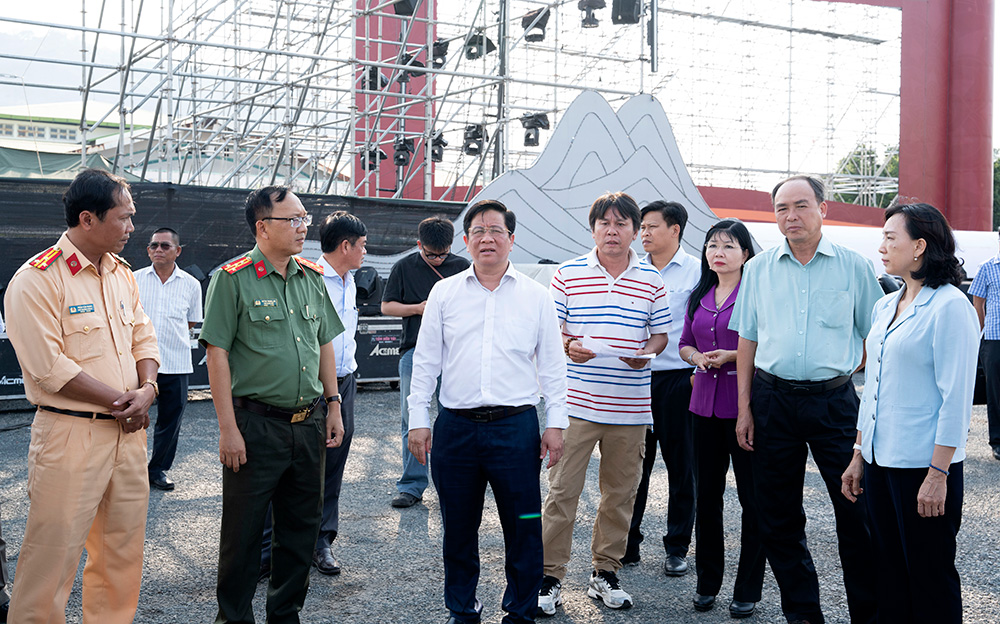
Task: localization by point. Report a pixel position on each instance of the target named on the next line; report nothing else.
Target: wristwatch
(152, 382)
(334, 397)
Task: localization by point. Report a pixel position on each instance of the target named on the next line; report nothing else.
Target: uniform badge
(309, 264)
(74, 264)
(83, 308)
(44, 260)
(265, 303)
(236, 265)
(261, 269)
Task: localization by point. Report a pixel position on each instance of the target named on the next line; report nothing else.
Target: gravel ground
(392, 558)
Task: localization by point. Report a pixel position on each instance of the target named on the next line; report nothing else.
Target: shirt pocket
(85, 336)
(832, 308)
(267, 326)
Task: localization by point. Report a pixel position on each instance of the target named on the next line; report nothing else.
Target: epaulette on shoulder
(121, 260)
(236, 265)
(45, 259)
(310, 264)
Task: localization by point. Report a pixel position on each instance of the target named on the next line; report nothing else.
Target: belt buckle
(301, 415)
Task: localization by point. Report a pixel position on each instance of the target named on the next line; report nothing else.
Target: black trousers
(786, 427)
(714, 445)
(989, 351)
(504, 454)
(285, 465)
(169, 410)
(914, 557)
(672, 430)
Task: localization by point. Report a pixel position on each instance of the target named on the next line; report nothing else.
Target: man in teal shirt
(268, 332)
(803, 312)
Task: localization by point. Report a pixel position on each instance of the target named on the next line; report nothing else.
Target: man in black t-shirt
(405, 295)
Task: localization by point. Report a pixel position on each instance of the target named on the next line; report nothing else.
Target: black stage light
(540, 19)
(475, 139)
(402, 148)
(532, 123)
(371, 158)
(588, 7)
(437, 147)
(410, 60)
(374, 80)
(438, 52)
(405, 7)
(626, 11)
(477, 45)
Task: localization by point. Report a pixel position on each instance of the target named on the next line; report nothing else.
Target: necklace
(721, 296)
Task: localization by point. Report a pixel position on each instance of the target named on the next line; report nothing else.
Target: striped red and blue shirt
(621, 312)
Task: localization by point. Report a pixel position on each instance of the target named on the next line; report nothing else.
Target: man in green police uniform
(268, 329)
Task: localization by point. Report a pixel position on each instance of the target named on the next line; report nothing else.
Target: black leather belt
(293, 416)
(490, 413)
(803, 387)
(91, 415)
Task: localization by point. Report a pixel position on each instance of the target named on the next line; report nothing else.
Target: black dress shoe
(3, 611)
(404, 499)
(703, 603)
(325, 562)
(162, 483)
(631, 559)
(474, 620)
(996, 452)
(675, 566)
(739, 610)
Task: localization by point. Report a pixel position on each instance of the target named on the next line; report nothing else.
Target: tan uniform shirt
(63, 318)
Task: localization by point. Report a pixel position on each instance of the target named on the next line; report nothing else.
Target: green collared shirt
(809, 322)
(272, 328)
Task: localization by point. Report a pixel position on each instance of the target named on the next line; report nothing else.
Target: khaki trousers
(87, 487)
(622, 448)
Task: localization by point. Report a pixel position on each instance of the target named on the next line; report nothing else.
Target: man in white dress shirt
(492, 334)
(172, 299)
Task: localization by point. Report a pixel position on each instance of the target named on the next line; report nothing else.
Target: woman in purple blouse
(709, 345)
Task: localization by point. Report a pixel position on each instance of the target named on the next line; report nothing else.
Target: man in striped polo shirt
(614, 312)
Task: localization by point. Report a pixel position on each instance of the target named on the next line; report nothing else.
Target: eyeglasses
(295, 222)
(436, 256)
(164, 246)
(495, 232)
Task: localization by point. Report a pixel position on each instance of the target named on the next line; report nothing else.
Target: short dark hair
(260, 204)
(621, 202)
(436, 233)
(818, 187)
(486, 205)
(93, 190)
(924, 221)
(338, 227)
(173, 233)
(672, 212)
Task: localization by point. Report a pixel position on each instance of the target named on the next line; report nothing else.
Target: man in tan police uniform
(89, 359)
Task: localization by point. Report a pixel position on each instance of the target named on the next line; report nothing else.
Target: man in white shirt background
(492, 335)
(172, 300)
(661, 233)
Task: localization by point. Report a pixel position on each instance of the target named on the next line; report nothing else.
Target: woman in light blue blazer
(914, 420)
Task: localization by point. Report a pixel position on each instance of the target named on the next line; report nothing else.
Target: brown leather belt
(257, 407)
(90, 415)
(490, 413)
(803, 387)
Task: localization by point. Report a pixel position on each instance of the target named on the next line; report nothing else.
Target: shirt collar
(825, 247)
(70, 253)
(470, 273)
(257, 256)
(633, 259)
(330, 272)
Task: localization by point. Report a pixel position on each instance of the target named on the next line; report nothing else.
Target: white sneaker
(605, 585)
(549, 596)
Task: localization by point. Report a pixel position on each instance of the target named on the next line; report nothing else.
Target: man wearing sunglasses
(268, 335)
(172, 299)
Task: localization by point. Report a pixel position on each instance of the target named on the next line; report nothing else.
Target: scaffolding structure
(429, 99)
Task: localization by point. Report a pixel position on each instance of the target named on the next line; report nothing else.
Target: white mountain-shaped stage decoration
(593, 150)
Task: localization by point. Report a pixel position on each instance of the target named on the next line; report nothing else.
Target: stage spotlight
(402, 148)
(479, 44)
(438, 52)
(532, 123)
(371, 158)
(437, 147)
(626, 11)
(410, 61)
(540, 19)
(405, 7)
(374, 80)
(475, 139)
(588, 7)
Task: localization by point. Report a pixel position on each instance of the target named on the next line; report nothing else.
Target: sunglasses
(163, 246)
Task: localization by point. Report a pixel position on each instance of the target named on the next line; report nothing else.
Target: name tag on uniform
(265, 303)
(80, 309)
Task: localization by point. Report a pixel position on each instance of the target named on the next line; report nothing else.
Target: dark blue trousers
(914, 557)
(787, 427)
(169, 410)
(504, 454)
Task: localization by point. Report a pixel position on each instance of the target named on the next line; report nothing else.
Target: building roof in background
(16, 163)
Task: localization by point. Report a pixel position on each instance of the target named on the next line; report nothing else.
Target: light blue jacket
(919, 378)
